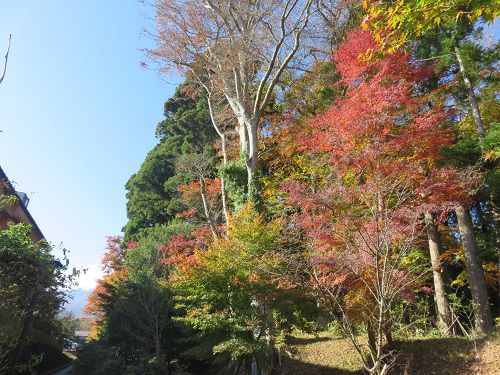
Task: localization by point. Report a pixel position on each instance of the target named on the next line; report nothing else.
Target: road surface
(64, 371)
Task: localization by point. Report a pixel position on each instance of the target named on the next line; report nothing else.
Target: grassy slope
(326, 355)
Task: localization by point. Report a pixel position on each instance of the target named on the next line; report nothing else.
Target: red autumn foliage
(113, 264)
(192, 189)
(381, 144)
(114, 257)
(203, 199)
(189, 213)
(180, 248)
(132, 244)
(97, 299)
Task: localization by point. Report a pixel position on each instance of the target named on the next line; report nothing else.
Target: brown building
(17, 213)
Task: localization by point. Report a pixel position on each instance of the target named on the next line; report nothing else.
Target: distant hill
(77, 301)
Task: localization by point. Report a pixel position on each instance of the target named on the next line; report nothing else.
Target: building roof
(20, 203)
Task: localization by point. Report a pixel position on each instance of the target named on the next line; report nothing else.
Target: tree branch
(6, 59)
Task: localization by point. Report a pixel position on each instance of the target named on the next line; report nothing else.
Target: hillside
(326, 354)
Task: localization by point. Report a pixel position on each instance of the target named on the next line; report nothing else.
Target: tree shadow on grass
(293, 366)
(443, 356)
(440, 356)
(319, 355)
(306, 340)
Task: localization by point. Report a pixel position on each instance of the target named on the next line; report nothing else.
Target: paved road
(64, 371)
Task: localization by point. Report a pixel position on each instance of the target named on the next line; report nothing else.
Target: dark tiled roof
(3, 177)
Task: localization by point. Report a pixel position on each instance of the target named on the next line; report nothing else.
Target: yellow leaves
(461, 279)
(491, 275)
(491, 155)
(411, 19)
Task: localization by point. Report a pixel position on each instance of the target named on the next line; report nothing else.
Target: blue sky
(78, 114)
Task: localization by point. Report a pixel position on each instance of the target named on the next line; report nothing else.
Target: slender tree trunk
(243, 135)
(223, 182)
(252, 159)
(25, 328)
(224, 156)
(475, 275)
(224, 199)
(372, 341)
(21, 341)
(205, 207)
(271, 353)
(470, 93)
(439, 275)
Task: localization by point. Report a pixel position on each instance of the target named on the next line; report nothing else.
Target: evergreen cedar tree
(152, 192)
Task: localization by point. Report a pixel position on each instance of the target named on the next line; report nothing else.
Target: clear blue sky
(78, 113)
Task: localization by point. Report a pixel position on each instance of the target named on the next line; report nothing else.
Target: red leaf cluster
(381, 143)
(114, 257)
(180, 248)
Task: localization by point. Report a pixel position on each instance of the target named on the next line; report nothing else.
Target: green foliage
(230, 290)
(97, 359)
(152, 192)
(398, 22)
(235, 179)
(138, 326)
(187, 125)
(6, 201)
(32, 284)
(144, 261)
(149, 202)
(313, 91)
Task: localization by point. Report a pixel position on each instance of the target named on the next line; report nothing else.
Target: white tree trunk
(251, 162)
(242, 132)
(224, 156)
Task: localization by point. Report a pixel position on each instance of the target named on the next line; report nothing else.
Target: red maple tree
(381, 144)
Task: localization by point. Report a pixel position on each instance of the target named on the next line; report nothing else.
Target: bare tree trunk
(470, 93)
(224, 199)
(372, 342)
(475, 275)
(251, 162)
(222, 181)
(242, 132)
(205, 207)
(271, 352)
(439, 275)
(224, 156)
